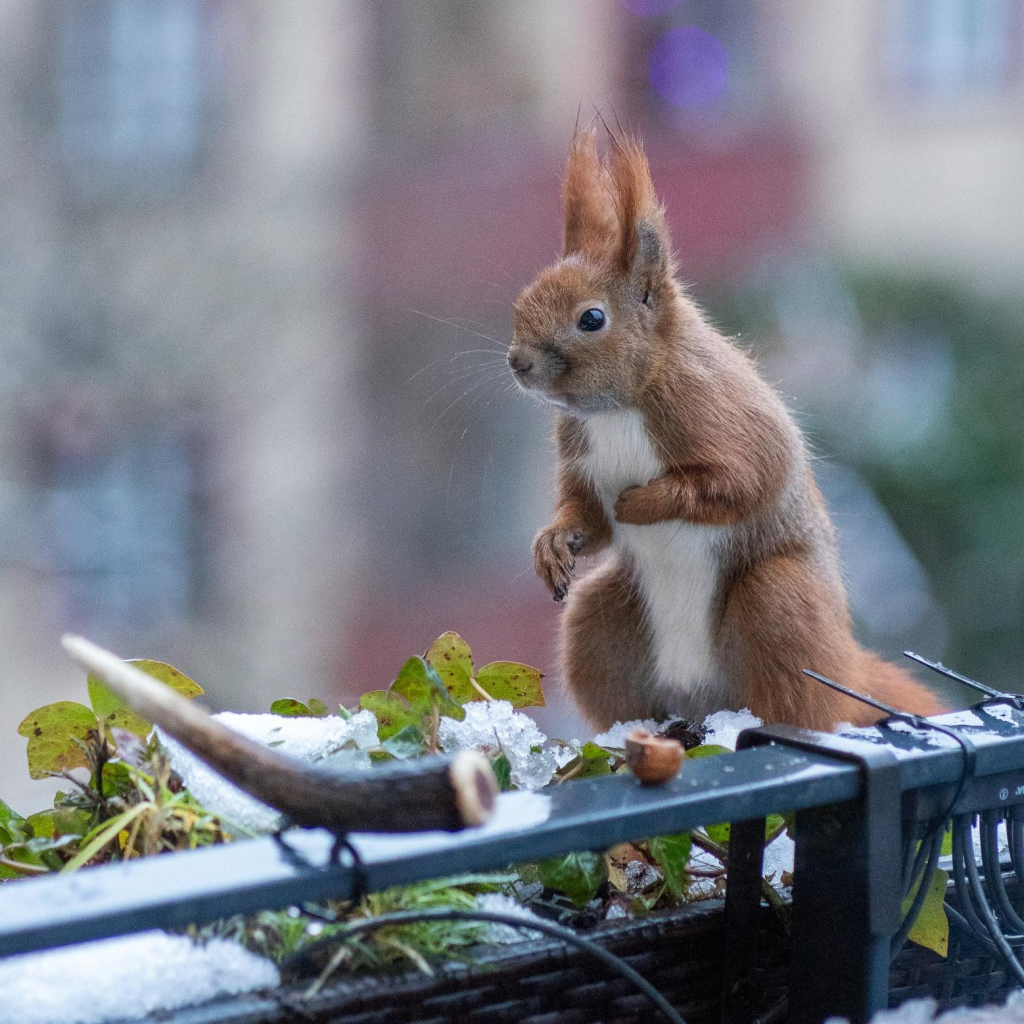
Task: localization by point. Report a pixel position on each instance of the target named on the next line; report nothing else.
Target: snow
(778, 857)
(966, 717)
(1004, 712)
(616, 736)
(494, 727)
(724, 727)
(505, 934)
(922, 1011)
(341, 741)
(127, 977)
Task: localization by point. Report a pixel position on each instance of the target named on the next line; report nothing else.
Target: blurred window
(129, 80)
(122, 518)
(951, 47)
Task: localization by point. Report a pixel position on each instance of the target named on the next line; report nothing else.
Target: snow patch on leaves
(495, 728)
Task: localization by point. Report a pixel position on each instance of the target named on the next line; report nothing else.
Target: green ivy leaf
(577, 875)
(407, 742)
(289, 707)
(317, 708)
(52, 732)
(502, 772)
(42, 824)
(707, 750)
(773, 825)
(508, 680)
(595, 761)
(947, 842)
(421, 685)
(718, 833)
(449, 655)
(393, 713)
(115, 712)
(931, 929)
(671, 854)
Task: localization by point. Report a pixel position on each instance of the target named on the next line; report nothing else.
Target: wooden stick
(401, 796)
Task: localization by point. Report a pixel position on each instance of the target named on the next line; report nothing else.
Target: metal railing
(861, 804)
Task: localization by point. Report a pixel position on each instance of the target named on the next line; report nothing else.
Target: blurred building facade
(258, 262)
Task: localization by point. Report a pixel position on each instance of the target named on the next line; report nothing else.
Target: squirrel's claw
(554, 554)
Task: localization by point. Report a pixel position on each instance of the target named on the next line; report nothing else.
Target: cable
(994, 884)
(927, 873)
(927, 856)
(980, 908)
(556, 931)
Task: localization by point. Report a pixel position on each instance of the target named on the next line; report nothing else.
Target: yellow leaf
(931, 929)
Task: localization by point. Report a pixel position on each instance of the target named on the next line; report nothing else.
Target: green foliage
(518, 684)
(419, 684)
(502, 772)
(289, 707)
(406, 743)
(393, 713)
(449, 655)
(56, 737)
(576, 875)
(112, 710)
(671, 854)
(706, 750)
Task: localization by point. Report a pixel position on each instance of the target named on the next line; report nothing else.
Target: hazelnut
(653, 759)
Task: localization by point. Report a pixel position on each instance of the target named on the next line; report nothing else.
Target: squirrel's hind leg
(606, 648)
(781, 617)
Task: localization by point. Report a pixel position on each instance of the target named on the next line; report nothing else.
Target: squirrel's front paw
(554, 557)
(642, 505)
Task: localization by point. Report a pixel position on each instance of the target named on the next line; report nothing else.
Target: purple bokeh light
(688, 68)
(649, 8)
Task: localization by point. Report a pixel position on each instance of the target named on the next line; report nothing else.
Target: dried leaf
(52, 733)
(508, 680)
(449, 655)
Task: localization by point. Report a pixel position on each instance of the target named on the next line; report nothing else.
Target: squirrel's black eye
(592, 320)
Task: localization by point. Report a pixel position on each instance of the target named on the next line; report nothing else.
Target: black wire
(982, 910)
(994, 884)
(931, 843)
(925, 876)
(588, 946)
(1015, 833)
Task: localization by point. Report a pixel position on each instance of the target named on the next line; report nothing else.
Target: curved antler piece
(447, 793)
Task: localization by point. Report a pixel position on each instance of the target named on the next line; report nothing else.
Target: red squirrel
(723, 579)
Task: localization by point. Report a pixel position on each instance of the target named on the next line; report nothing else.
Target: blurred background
(256, 265)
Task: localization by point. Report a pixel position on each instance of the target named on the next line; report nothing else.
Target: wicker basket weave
(545, 982)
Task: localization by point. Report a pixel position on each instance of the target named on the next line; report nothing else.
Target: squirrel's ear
(643, 244)
(590, 220)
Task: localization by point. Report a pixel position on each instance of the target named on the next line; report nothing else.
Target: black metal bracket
(846, 891)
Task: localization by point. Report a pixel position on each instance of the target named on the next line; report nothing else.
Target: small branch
(768, 891)
(28, 869)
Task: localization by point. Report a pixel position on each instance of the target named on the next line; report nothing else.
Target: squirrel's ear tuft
(643, 243)
(590, 218)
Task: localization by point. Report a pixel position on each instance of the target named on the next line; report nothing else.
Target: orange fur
(732, 468)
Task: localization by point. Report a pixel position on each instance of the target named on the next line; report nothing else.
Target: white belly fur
(677, 562)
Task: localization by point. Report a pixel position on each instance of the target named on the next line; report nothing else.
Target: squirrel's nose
(519, 361)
